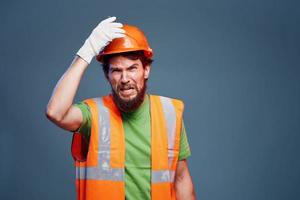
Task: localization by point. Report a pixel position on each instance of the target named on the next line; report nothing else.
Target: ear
(147, 71)
(106, 76)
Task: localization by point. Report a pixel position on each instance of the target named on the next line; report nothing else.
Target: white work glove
(102, 35)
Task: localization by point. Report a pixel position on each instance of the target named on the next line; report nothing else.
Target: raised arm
(60, 109)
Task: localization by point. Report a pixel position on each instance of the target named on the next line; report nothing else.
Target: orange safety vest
(100, 174)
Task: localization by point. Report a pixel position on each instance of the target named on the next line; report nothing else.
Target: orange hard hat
(134, 40)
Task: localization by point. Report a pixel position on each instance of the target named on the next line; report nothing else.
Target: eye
(132, 68)
(115, 70)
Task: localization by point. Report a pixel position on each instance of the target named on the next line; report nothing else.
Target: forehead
(123, 62)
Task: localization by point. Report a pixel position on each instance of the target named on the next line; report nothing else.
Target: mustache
(126, 87)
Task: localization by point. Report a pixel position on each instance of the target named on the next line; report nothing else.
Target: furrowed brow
(133, 65)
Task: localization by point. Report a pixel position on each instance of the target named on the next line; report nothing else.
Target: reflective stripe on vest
(102, 174)
(103, 171)
(160, 176)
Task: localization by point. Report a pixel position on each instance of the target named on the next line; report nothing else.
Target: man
(128, 144)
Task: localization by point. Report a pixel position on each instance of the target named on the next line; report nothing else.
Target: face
(128, 82)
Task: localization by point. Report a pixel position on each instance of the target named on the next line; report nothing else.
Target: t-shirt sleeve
(184, 148)
(85, 127)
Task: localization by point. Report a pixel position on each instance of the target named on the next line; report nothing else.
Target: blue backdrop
(235, 64)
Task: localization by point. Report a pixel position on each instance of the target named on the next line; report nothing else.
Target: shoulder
(101, 102)
(166, 97)
(92, 99)
(178, 103)
(95, 100)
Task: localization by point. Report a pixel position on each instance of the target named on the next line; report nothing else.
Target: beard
(131, 104)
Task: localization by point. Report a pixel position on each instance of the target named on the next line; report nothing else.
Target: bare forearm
(66, 88)
(183, 182)
(184, 189)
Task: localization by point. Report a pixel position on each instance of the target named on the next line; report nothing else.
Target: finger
(108, 20)
(117, 25)
(118, 35)
(118, 30)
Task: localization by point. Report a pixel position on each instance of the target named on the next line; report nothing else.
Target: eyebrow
(133, 65)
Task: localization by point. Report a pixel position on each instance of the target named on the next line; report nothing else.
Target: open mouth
(126, 91)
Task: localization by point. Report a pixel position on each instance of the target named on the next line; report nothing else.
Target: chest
(137, 142)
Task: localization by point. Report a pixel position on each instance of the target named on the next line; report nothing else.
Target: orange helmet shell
(134, 40)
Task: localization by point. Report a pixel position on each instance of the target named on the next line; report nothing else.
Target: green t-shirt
(138, 148)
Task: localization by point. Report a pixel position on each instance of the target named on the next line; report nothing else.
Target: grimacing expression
(127, 77)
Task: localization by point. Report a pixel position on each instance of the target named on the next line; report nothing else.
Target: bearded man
(128, 144)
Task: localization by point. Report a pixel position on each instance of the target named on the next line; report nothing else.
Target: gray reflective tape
(162, 176)
(103, 130)
(95, 173)
(170, 117)
(103, 171)
(170, 156)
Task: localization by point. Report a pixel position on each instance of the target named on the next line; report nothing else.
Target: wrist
(86, 52)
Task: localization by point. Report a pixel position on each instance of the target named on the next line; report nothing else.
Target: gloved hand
(102, 35)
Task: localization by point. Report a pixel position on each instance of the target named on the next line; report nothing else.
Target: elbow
(53, 116)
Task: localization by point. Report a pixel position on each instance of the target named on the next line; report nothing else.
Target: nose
(124, 77)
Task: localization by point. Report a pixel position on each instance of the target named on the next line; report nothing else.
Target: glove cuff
(86, 52)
